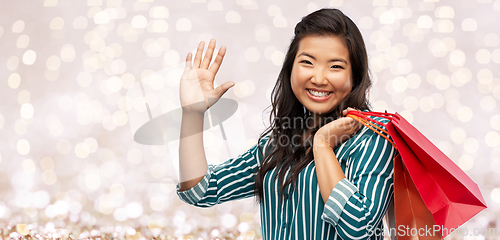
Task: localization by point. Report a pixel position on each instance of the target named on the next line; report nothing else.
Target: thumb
(221, 89)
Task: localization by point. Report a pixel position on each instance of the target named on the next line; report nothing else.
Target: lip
(317, 99)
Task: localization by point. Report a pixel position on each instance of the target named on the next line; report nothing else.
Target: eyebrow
(331, 60)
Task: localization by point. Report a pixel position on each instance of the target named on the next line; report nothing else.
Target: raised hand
(197, 92)
(338, 131)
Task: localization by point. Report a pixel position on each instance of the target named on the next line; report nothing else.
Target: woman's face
(321, 73)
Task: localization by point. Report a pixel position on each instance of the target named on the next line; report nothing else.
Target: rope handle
(366, 122)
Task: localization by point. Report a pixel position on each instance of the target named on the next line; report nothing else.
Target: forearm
(328, 170)
(192, 160)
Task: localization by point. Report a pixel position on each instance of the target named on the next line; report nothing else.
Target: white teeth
(318, 94)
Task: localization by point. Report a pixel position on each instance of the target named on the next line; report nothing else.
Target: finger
(208, 55)
(199, 53)
(347, 110)
(218, 60)
(220, 90)
(189, 57)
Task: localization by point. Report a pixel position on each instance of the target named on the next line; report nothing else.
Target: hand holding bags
(430, 190)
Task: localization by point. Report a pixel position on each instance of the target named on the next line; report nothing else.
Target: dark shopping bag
(430, 190)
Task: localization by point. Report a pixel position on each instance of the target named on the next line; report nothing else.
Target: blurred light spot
(18, 26)
(80, 22)
(488, 103)
(336, 3)
(14, 80)
(365, 22)
(27, 111)
(443, 26)
(442, 82)
(41, 199)
(120, 118)
(183, 25)
(49, 177)
(458, 135)
(215, 5)
(57, 23)
(262, 33)
(280, 22)
(228, 220)
(114, 84)
(233, 17)
(464, 114)
(29, 57)
(244, 89)
(91, 144)
(413, 80)
(94, 3)
(82, 150)
(23, 41)
(457, 58)
(159, 12)
(426, 104)
(63, 146)
(47, 164)
(466, 162)
(23, 147)
(84, 79)
(56, 128)
(171, 57)
(134, 156)
(134, 210)
(274, 10)
(387, 18)
(277, 58)
(20, 127)
(444, 12)
(495, 122)
(158, 26)
(399, 84)
(469, 25)
(2, 123)
(50, 3)
(252, 54)
(492, 139)
(139, 21)
(495, 56)
(53, 62)
(471, 145)
(483, 56)
(410, 103)
(461, 77)
(424, 21)
(109, 169)
(485, 76)
(67, 53)
(29, 166)
(312, 7)
(157, 170)
(101, 18)
(12, 63)
(495, 195)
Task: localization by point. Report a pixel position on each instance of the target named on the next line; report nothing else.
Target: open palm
(197, 92)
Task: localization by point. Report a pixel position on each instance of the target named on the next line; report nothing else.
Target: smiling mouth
(319, 94)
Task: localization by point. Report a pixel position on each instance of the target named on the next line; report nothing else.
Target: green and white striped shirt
(354, 209)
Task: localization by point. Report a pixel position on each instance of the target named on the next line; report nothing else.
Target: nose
(319, 77)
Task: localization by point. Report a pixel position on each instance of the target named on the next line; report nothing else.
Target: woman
(315, 173)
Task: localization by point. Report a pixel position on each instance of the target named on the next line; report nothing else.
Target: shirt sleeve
(357, 203)
(231, 180)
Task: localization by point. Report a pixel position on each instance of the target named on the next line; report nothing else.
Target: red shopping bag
(447, 192)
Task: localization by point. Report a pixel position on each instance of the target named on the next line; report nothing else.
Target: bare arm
(328, 169)
(197, 94)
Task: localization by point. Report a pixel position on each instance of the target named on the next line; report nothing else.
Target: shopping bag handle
(368, 122)
(364, 115)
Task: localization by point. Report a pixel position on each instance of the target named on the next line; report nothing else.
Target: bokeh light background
(68, 161)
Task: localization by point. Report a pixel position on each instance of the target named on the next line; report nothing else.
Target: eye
(306, 62)
(337, 66)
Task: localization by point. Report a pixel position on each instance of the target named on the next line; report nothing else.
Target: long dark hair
(290, 139)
